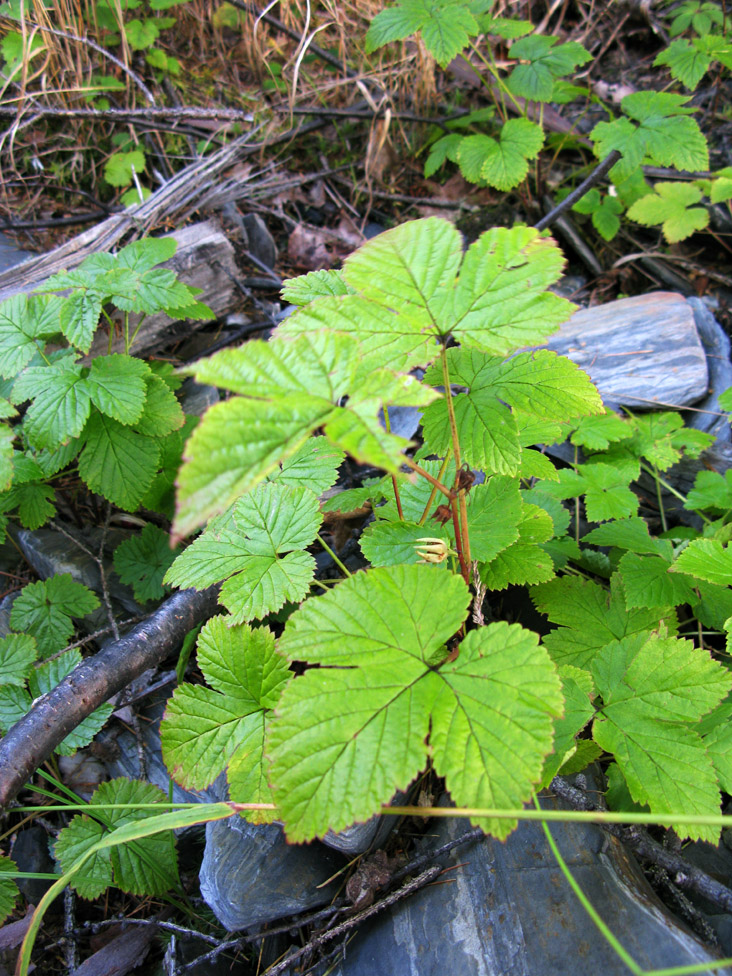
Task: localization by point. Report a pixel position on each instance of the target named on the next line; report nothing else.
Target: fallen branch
(683, 874)
(32, 740)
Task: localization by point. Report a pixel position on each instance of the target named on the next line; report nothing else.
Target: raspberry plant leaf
(524, 561)
(686, 60)
(117, 462)
(502, 162)
(542, 62)
(45, 678)
(590, 617)
(145, 866)
(45, 610)
(578, 690)
(708, 559)
(24, 324)
(17, 654)
(711, 491)
(541, 383)
(672, 205)
(654, 691)
(396, 543)
(288, 388)
(349, 733)
(61, 402)
(143, 561)
(8, 888)
(204, 729)
(316, 284)
(664, 133)
(499, 302)
(117, 386)
(648, 582)
(314, 465)
(446, 26)
(259, 552)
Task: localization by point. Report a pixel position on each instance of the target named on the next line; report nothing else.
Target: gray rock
(30, 854)
(120, 749)
(251, 875)
(361, 837)
(510, 912)
(642, 352)
(717, 350)
(260, 242)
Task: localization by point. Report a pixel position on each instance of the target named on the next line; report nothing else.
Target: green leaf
(578, 690)
(35, 503)
(502, 163)
(17, 654)
(631, 534)
(671, 205)
(707, 559)
(160, 496)
(314, 465)
(143, 561)
(117, 462)
(8, 887)
(505, 27)
(541, 383)
(405, 277)
(523, 562)
(494, 517)
(117, 386)
(75, 840)
(687, 63)
(44, 610)
(665, 134)
(260, 557)
(651, 687)
(315, 284)
(144, 254)
(204, 730)
(161, 412)
(445, 148)
(23, 323)
(145, 866)
(446, 26)
(289, 388)
(347, 734)
(589, 617)
(597, 433)
(79, 317)
(60, 406)
(535, 80)
(396, 543)
(605, 487)
(648, 582)
(14, 704)
(711, 491)
(140, 34)
(385, 341)
(119, 168)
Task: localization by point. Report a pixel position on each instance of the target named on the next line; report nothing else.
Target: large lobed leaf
(349, 733)
(204, 729)
(259, 552)
(654, 690)
(288, 388)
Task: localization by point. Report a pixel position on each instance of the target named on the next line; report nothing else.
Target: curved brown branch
(32, 740)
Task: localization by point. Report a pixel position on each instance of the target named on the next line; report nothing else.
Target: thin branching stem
(462, 539)
(339, 563)
(449, 494)
(400, 513)
(430, 500)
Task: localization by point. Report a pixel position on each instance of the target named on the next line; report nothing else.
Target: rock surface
(251, 875)
(510, 912)
(642, 352)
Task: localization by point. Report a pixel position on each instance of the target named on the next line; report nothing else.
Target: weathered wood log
(205, 258)
(642, 352)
